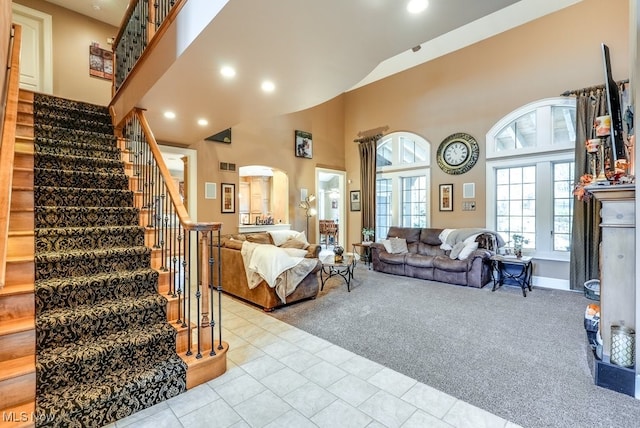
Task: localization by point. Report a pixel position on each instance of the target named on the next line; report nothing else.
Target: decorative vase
(518, 252)
(337, 251)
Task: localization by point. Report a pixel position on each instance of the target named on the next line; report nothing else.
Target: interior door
(35, 54)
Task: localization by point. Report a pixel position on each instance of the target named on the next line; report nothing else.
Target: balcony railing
(143, 21)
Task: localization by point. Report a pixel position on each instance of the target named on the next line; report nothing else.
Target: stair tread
(96, 251)
(16, 325)
(19, 259)
(21, 233)
(82, 310)
(17, 367)
(19, 412)
(16, 289)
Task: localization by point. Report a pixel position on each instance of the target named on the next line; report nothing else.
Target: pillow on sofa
(259, 238)
(395, 245)
(280, 236)
(234, 244)
(467, 250)
(297, 241)
(455, 251)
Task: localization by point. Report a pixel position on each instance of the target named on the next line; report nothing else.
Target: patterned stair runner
(104, 347)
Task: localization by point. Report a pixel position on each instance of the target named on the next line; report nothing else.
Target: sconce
(309, 211)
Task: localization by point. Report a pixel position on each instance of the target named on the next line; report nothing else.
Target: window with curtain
(530, 170)
(402, 184)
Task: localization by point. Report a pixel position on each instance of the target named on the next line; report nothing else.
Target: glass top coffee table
(332, 268)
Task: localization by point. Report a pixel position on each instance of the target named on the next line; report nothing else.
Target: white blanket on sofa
(275, 266)
(451, 237)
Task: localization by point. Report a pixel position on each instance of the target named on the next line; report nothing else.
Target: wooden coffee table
(344, 269)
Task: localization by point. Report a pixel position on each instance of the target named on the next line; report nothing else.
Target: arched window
(402, 183)
(530, 170)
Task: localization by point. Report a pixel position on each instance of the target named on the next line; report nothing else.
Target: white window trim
(543, 140)
(396, 171)
(543, 170)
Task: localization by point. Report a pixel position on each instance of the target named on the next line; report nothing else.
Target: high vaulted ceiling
(311, 50)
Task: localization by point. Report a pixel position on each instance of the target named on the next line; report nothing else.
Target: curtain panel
(585, 236)
(367, 147)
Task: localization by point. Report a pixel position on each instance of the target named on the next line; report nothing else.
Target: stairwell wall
(72, 36)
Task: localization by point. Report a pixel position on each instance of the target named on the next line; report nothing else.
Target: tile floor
(280, 376)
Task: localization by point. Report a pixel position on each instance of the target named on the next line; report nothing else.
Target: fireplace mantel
(617, 278)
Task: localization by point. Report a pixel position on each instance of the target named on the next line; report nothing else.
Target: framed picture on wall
(446, 197)
(354, 199)
(228, 198)
(304, 145)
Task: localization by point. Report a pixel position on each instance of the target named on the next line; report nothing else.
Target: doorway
(331, 204)
(36, 60)
(183, 166)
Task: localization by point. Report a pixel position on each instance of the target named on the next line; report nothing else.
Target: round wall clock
(458, 153)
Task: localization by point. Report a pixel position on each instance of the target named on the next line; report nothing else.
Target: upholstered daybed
(421, 253)
(236, 282)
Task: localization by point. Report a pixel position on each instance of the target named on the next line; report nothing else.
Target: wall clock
(458, 153)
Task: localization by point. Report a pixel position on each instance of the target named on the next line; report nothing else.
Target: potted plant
(367, 233)
(518, 242)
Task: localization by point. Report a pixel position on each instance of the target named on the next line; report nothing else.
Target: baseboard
(552, 283)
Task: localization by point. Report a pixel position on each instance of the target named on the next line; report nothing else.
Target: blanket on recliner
(451, 237)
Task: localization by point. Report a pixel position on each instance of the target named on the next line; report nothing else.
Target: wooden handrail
(7, 145)
(174, 194)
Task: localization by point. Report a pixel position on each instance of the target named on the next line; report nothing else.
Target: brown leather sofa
(234, 278)
(426, 260)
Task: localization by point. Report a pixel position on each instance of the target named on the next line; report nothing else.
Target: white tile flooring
(280, 376)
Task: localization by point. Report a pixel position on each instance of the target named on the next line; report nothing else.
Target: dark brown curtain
(367, 147)
(585, 239)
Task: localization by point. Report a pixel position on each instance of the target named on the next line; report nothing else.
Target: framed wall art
(446, 197)
(228, 197)
(304, 145)
(354, 199)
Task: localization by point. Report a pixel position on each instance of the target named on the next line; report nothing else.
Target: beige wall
(72, 36)
(270, 142)
(471, 89)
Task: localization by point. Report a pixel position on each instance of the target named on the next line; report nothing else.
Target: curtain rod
(591, 88)
(369, 133)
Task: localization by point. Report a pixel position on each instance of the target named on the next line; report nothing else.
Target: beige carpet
(524, 359)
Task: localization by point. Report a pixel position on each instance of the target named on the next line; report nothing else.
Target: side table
(344, 269)
(363, 249)
(512, 270)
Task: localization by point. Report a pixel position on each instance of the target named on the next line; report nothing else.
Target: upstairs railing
(185, 248)
(144, 18)
(7, 144)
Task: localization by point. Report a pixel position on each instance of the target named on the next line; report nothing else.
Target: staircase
(103, 346)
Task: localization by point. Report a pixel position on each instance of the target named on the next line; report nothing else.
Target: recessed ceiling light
(417, 6)
(228, 71)
(268, 86)
(169, 115)
(203, 122)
